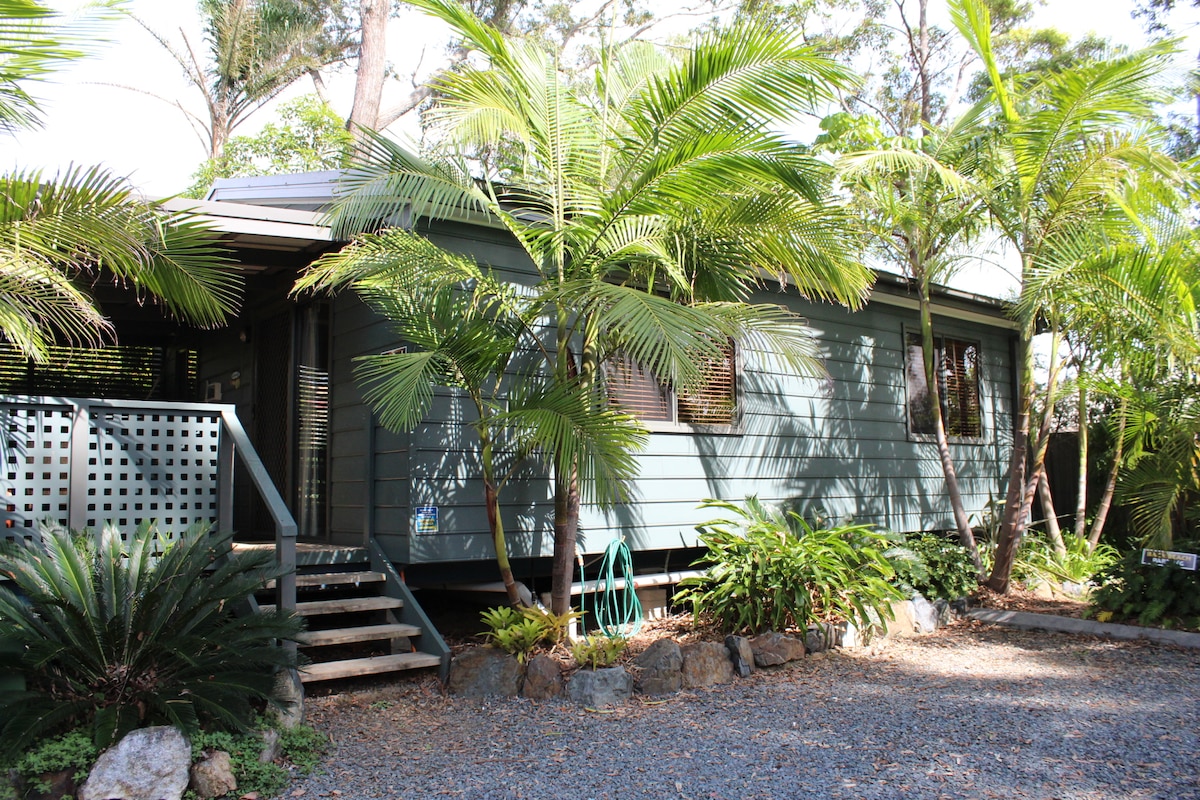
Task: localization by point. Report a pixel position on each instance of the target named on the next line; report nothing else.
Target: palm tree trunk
(1082, 485)
(1052, 529)
(961, 522)
(491, 498)
(1110, 484)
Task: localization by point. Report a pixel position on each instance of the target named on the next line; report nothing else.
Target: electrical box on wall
(212, 392)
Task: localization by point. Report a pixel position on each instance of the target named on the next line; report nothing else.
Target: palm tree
(59, 236)
(922, 211)
(256, 49)
(650, 201)
(1072, 139)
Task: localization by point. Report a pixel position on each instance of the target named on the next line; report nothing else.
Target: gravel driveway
(972, 711)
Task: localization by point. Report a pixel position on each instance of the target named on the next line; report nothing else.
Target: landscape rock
(945, 614)
(740, 655)
(819, 638)
(660, 668)
(271, 747)
(289, 699)
(147, 764)
(925, 614)
(903, 622)
(543, 679)
(486, 671)
(57, 785)
(595, 688)
(771, 649)
(706, 664)
(212, 775)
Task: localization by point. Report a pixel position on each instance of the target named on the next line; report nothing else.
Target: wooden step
(365, 633)
(316, 607)
(314, 579)
(354, 667)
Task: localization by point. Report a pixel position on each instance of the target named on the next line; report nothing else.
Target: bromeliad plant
(112, 637)
(771, 570)
(520, 631)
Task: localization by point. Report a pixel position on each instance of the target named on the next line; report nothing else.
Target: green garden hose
(616, 616)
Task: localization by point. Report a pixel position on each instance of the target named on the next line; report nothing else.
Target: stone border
(1085, 627)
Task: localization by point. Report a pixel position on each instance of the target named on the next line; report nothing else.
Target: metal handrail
(233, 443)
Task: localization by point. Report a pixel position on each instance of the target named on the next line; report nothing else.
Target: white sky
(89, 119)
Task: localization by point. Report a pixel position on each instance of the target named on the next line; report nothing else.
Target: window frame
(672, 402)
(939, 340)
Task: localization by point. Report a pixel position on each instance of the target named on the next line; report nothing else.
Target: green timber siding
(836, 445)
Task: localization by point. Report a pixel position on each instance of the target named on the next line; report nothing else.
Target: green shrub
(1154, 595)
(934, 567)
(769, 570)
(112, 637)
(302, 746)
(1037, 561)
(594, 652)
(72, 750)
(520, 631)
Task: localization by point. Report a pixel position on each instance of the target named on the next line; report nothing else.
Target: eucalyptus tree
(1073, 139)
(651, 199)
(61, 236)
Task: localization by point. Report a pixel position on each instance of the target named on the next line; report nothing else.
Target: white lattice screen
(37, 467)
(140, 466)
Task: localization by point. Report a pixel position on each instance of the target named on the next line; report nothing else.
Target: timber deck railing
(85, 462)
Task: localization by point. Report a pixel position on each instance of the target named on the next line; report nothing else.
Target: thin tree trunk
(1022, 489)
(1082, 485)
(1110, 484)
(961, 522)
(1052, 528)
(372, 61)
(491, 497)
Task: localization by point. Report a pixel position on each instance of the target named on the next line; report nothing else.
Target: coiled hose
(618, 613)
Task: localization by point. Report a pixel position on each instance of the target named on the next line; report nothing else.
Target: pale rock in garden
(903, 621)
(271, 746)
(212, 776)
(706, 664)
(595, 688)
(288, 697)
(772, 649)
(659, 668)
(147, 764)
(486, 671)
(925, 614)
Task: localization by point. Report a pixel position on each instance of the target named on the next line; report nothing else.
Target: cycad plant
(651, 199)
(112, 636)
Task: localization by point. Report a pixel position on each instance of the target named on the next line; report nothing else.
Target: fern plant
(113, 637)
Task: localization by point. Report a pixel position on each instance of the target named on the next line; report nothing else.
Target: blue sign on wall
(427, 519)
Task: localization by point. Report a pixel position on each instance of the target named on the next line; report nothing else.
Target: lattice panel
(37, 468)
(152, 466)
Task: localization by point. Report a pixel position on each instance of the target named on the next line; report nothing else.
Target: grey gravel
(971, 711)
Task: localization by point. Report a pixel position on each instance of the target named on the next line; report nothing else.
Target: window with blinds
(118, 372)
(956, 365)
(640, 392)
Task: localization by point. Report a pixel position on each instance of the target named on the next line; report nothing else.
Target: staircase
(362, 618)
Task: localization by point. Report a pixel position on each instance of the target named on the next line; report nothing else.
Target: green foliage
(520, 631)
(72, 750)
(1152, 594)
(594, 652)
(933, 566)
(557, 626)
(1037, 561)
(302, 746)
(115, 637)
(769, 570)
(309, 137)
